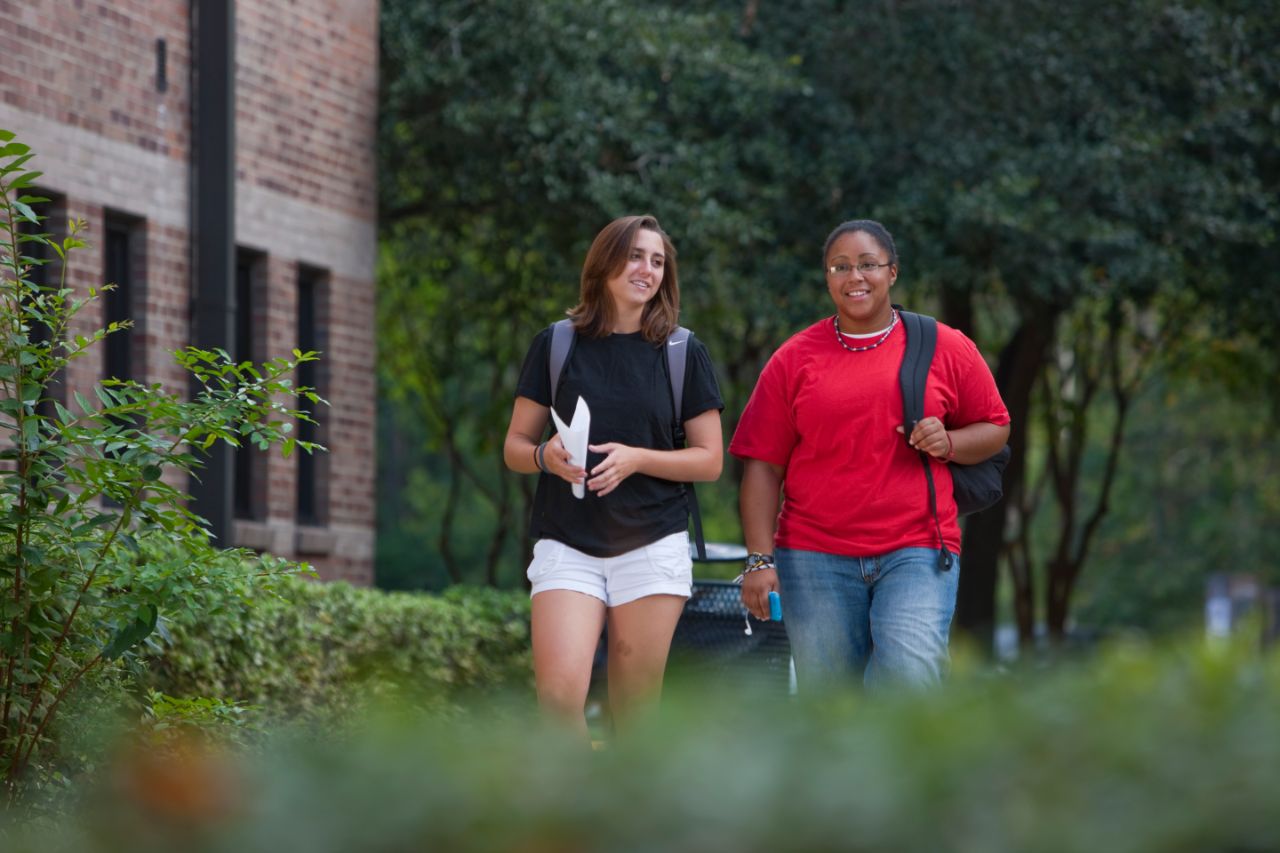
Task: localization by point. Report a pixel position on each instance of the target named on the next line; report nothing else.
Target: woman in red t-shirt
(854, 550)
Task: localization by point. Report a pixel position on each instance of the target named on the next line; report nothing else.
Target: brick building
(133, 107)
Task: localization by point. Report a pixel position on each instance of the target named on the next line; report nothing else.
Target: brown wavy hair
(595, 313)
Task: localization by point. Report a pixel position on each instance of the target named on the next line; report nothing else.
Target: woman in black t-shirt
(621, 552)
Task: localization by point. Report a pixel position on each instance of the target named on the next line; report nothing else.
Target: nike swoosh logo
(674, 343)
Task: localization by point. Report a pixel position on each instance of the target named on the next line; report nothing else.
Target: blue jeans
(886, 618)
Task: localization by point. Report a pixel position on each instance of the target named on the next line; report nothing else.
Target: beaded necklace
(884, 336)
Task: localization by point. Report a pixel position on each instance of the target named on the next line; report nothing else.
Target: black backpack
(976, 486)
(562, 338)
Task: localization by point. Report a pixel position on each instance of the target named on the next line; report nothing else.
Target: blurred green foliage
(1201, 495)
(327, 651)
(1135, 751)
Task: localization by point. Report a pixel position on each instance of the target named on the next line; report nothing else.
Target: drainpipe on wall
(213, 227)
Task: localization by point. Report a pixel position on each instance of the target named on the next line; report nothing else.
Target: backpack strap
(677, 359)
(677, 356)
(922, 340)
(562, 338)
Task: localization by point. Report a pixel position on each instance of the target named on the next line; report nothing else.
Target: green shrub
(86, 481)
(324, 649)
(1132, 752)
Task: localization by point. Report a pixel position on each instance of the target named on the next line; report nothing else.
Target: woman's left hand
(620, 462)
(930, 436)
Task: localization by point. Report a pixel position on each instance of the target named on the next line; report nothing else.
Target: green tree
(83, 486)
(1199, 493)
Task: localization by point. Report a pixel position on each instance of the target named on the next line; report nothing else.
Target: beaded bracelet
(756, 562)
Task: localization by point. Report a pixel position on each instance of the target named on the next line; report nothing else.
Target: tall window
(312, 287)
(123, 265)
(249, 486)
(120, 269)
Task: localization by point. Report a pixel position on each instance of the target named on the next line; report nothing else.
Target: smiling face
(639, 279)
(861, 298)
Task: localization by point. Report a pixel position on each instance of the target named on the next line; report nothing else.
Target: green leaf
(31, 432)
(25, 179)
(43, 579)
(31, 392)
(26, 212)
(133, 633)
(97, 521)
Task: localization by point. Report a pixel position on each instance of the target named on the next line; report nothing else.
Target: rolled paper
(574, 437)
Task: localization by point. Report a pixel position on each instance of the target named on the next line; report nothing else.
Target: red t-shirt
(853, 486)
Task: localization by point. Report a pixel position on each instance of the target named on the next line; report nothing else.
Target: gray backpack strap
(677, 356)
(561, 343)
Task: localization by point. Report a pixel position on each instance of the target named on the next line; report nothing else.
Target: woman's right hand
(756, 587)
(556, 459)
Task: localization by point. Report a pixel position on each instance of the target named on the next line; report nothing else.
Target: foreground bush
(313, 649)
(88, 476)
(1135, 752)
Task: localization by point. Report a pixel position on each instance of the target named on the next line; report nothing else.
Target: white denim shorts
(660, 568)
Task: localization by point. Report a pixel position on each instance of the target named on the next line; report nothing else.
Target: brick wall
(79, 83)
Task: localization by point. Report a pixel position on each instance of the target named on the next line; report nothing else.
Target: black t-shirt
(624, 380)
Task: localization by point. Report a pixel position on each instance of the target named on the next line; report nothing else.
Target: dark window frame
(249, 465)
(125, 236)
(311, 484)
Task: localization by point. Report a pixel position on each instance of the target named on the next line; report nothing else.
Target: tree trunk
(1075, 537)
(1024, 596)
(1058, 600)
(1016, 372)
(445, 540)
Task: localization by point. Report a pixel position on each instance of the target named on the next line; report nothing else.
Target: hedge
(322, 648)
(1137, 751)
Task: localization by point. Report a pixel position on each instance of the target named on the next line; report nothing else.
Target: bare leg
(566, 629)
(639, 639)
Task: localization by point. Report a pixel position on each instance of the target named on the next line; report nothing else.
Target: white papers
(574, 438)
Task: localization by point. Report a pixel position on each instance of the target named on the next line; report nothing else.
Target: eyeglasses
(864, 268)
